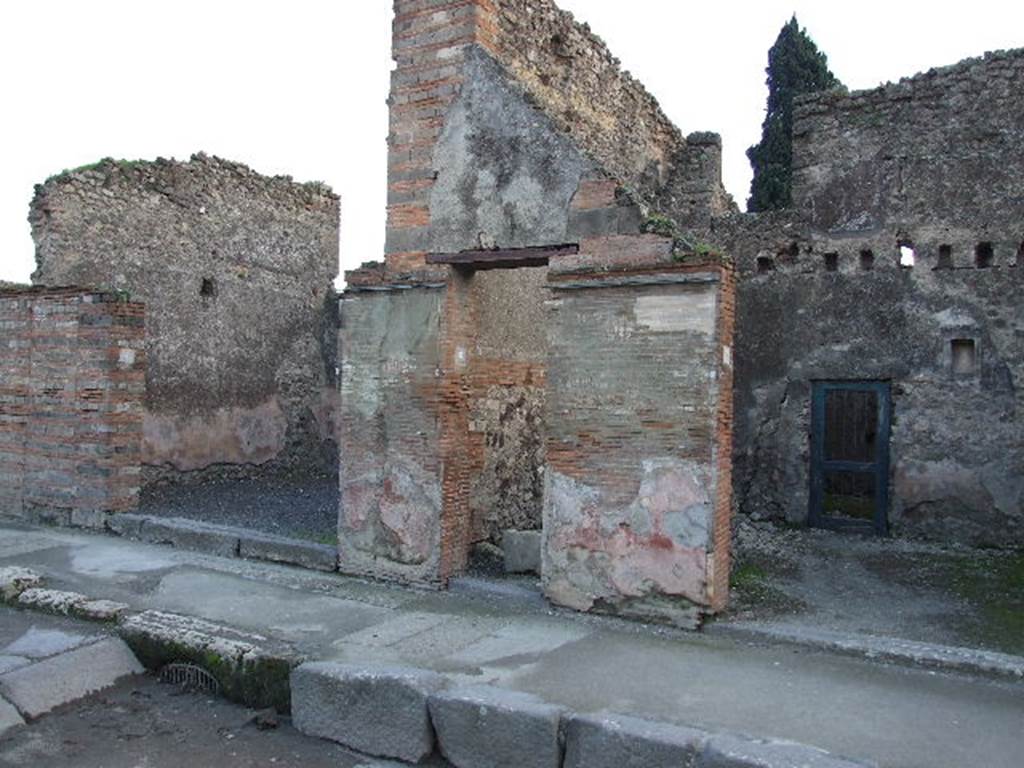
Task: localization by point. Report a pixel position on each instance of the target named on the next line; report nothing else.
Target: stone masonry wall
(809, 309)
(390, 428)
(237, 271)
(72, 381)
(930, 163)
(637, 497)
(936, 156)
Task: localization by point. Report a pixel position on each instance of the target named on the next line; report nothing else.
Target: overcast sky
(298, 86)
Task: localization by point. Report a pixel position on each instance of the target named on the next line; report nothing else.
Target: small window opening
(945, 257)
(907, 255)
(832, 262)
(765, 264)
(1020, 254)
(867, 259)
(965, 358)
(208, 287)
(984, 255)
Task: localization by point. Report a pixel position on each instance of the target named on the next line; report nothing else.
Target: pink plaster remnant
(658, 545)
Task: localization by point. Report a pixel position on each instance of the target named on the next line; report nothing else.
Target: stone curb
(398, 712)
(518, 729)
(404, 713)
(904, 652)
(212, 539)
(250, 669)
(71, 604)
(378, 710)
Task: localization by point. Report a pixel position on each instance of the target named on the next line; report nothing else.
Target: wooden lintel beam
(508, 258)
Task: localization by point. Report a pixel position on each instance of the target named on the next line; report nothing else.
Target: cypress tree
(795, 66)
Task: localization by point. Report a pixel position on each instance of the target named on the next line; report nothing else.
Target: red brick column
(71, 393)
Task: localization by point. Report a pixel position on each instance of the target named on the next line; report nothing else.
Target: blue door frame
(878, 467)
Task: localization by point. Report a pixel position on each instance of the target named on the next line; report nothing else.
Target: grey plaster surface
(899, 717)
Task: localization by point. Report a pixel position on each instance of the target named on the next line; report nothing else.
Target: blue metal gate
(850, 423)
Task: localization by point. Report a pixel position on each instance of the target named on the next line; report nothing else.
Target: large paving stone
(278, 549)
(522, 551)
(9, 717)
(726, 751)
(485, 727)
(9, 663)
(37, 643)
(378, 710)
(618, 741)
(40, 687)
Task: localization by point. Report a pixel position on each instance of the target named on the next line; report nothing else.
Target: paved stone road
(900, 717)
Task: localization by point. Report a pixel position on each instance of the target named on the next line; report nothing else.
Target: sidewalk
(506, 635)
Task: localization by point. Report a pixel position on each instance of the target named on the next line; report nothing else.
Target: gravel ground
(306, 509)
(141, 723)
(880, 586)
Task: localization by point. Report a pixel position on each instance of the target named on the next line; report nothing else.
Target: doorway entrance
(850, 455)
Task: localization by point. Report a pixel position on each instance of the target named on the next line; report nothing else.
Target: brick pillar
(428, 45)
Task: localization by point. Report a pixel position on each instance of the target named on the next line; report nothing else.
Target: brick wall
(72, 382)
(637, 498)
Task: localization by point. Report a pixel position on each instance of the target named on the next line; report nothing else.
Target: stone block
(14, 580)
(381, 711)
(277, 549)
(40, 687)
(727, 751)
(484, 727)
(251, 669)
(618, 741)
(522, 551)
(52, 600)
(192, 535)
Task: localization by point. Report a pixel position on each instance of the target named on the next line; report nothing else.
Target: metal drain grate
(190, 677)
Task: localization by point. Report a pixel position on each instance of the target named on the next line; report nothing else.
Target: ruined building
(574, 331)
(236, 271)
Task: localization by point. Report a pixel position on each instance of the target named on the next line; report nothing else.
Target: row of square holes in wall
(984, 257)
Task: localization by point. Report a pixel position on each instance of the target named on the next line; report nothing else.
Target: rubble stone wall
(933, 159)
(72, 382)
(236, 270)
(931, 163)
(508, 375)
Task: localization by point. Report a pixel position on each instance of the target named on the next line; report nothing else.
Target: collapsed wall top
(509, 118)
